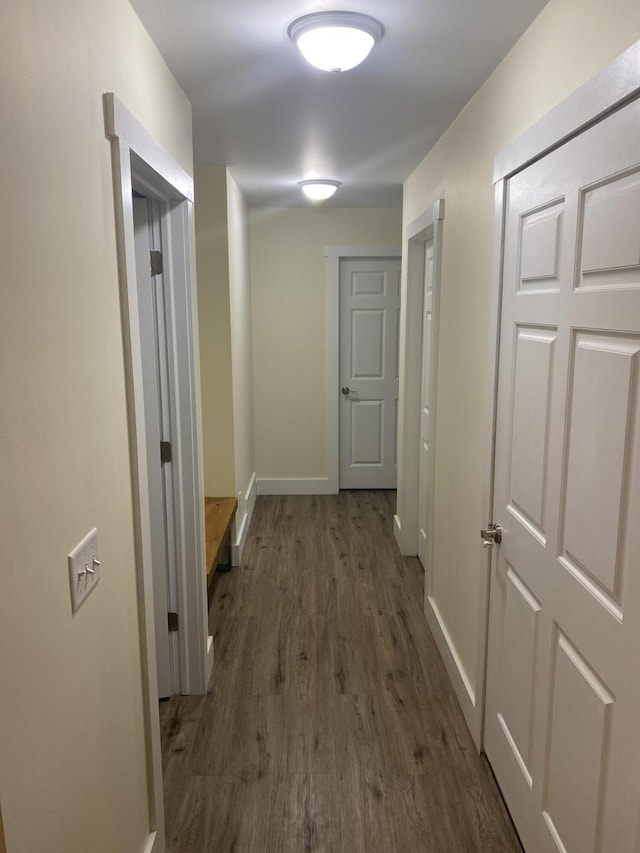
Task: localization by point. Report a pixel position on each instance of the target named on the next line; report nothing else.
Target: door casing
(617, 84)
(161, 423)
(426, 228)
(138, 161)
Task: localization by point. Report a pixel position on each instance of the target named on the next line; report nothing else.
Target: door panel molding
(333, 255)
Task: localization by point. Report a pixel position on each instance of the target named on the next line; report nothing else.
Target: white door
(563, 689)
(154, 345)
(369, 323)
(427, 414)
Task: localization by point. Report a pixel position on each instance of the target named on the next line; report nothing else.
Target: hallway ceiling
(259, 108)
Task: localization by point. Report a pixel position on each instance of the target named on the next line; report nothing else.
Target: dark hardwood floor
(330, 723)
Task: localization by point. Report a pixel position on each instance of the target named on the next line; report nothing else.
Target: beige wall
(241, 346)
(289, 285)
(569, 42)
(72, 760)
(212, 258)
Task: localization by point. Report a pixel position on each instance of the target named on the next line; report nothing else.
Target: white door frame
(617, 84)
(139, 161)
(156, 346)
(426, 228)
(334, 254)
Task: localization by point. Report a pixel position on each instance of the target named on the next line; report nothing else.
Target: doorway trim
(334, 254)
(428, 227)
(425, 228)
(139, 161)
(610, 89)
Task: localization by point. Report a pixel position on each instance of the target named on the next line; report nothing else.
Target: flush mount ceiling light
(335, 41)
(318, 190)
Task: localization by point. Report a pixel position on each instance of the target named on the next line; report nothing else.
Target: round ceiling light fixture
(318, 190)
(335, 41)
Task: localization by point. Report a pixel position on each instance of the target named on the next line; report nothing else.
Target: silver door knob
(491, 534)
(346, 390)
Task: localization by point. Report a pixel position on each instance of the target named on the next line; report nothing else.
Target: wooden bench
(218, 515)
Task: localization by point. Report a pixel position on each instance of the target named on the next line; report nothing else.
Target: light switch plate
(84, 569)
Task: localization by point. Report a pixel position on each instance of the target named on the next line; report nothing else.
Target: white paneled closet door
(563, 689)
(369, 324)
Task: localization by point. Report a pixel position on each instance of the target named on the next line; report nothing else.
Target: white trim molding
(463, 688)
(242, 522)
(334, 254)
(617, 84)
(122, 124)
(296, 486)
(424, 229)
(397, 526)
(614, 86)
(139, 161)
(152, 844)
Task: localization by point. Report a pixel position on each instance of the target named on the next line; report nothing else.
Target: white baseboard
(461, 685)
(208, 666)
(401, 536)
(246, 505)
(152, 844)
(397, 531)
(296, 486)
(242, 529)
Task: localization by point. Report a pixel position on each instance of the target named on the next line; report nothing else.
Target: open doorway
(156, 348)
(140, 163)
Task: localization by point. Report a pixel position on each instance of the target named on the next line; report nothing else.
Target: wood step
(218, 515)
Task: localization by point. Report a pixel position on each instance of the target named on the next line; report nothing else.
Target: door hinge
(165, 451)
(155, 259)
(172, 622)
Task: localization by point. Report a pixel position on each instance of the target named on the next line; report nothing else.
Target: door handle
(490, 535)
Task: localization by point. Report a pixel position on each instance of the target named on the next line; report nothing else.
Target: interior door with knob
(562, 727)
(369, 323)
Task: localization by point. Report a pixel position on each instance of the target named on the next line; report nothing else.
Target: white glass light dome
(318, 190)
(335, 41)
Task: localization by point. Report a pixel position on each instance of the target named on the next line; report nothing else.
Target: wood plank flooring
(330, 723)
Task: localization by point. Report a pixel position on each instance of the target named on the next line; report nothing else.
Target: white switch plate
(84, 569)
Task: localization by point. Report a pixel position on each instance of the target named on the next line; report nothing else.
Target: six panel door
(369, 324)
(563, 690)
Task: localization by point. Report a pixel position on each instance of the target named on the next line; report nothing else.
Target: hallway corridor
(330, 723)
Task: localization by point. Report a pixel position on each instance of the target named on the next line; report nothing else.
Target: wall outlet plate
(84, 569)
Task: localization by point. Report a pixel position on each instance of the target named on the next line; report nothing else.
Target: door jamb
(610, 89)
(138, 159)
(427, 227)
(334, 254)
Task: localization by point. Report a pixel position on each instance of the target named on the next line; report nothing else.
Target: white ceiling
(259, 108)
